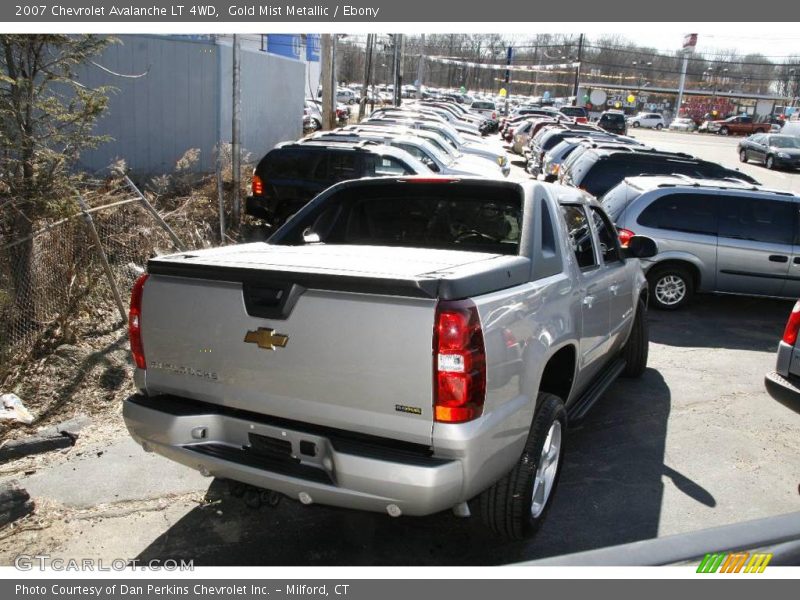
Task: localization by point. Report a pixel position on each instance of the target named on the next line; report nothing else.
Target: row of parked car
(424, 138)
(717, 229)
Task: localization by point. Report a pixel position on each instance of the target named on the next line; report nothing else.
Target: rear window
(476, 218)
(573, 111)
(613, 117)
(294, 164)
(483, 105)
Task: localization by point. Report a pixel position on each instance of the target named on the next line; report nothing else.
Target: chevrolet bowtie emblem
(266, 338)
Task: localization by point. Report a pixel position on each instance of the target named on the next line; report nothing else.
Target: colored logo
(266, 339)
(734, 562)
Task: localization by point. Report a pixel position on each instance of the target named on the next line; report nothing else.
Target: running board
(578, 410)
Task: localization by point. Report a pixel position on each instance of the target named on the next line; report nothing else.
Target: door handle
(588, 301)
(778, 258)
(614, 289)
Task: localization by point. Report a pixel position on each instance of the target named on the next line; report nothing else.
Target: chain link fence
(62, 278)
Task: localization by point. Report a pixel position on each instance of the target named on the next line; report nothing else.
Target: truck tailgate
(353, 360)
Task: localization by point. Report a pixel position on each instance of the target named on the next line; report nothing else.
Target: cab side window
(609, 249)
(580, 235)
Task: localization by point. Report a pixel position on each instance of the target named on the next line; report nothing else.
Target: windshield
(437, 141)
(462, 217)
(784, 142)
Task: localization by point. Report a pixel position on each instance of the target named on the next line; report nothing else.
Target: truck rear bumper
(304, 462)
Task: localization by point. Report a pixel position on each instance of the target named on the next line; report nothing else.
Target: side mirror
(640, 246)
(309, 237)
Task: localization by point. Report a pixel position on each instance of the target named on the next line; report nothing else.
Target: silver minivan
(713, 235)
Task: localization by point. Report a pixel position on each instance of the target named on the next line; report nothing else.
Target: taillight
(625, 236)
(135, 322)
(257, 186)
(459, 362)
(792, 325)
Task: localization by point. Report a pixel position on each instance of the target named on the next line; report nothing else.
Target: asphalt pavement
(696, 442)
(720, 149)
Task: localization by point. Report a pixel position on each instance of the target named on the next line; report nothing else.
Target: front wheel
(743, 156)
(516, 505)
(724, 131)
(636, 123)
(671, 287)
(770, 163)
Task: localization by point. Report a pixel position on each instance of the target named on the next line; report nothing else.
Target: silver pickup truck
(402, 345)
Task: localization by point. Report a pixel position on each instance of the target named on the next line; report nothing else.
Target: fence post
(87, 218)
(175, 239)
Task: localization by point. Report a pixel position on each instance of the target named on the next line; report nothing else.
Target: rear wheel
(671, 287)
(638, 345)
(743, 155)
(516, 505)
(659, 126)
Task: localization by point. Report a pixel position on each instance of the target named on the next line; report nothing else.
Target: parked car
(774, 151)
(683, 124)
(456, 139)
(737, 125)
(554, 158)
(613, 121)
(575, 112)
(712, 236)
(297, 392)
(649, 120)
(425, 152)
(783, 383)
(597, 171)
(291, 174)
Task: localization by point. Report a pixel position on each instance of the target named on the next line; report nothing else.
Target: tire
(724, 131)
(507, 507)
(659, 126)
(743, 155)
(671, 287)
(638, 345)
(636, 124)
(759, 131)
(769, 162)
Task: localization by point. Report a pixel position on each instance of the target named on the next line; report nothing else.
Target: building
(173, 93)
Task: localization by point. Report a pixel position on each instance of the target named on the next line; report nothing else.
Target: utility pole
(328, 91)
(367, 72)
(578, 70)
(682, 83)
(236, 125)
(397, 39)
(400, 69)
(509, 57)
(689, 43)
(421, 67)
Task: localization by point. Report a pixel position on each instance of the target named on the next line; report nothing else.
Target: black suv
(291, 174)
(613, 122)
(597, 171)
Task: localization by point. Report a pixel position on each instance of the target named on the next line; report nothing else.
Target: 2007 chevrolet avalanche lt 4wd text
(403, 345)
